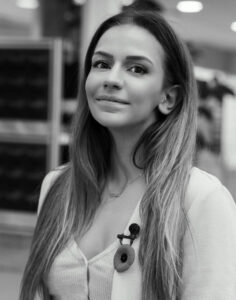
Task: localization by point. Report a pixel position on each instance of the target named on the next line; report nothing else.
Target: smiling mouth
(111, 99)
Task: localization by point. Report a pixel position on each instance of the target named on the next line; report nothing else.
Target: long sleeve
(209, 266)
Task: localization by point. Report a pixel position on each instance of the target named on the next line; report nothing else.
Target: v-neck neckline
(74, 247)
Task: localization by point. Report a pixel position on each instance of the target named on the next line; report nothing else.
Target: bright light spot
(127, 2)
(190, 6)
(28, 4)
(233, 26)
(79, 2)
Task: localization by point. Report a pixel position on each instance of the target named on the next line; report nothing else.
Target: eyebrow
(130, 57)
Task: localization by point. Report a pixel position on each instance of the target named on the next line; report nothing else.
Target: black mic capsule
(134, 229)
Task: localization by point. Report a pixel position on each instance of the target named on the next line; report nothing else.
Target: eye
(138, 70)
(100, 65)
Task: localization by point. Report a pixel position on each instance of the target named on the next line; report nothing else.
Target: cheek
(148, 89)
(155, 92)
(155, 98)
(148, 98)
(88, 86)
(92, 83)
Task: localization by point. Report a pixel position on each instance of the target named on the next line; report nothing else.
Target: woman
(131, 163)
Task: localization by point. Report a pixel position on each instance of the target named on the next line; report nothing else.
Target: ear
(169, 100)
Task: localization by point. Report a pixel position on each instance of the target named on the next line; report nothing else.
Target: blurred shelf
(26, 43)
(24, 131)
(17, 222)
(64, 138)
(30, 112)
(69, 106)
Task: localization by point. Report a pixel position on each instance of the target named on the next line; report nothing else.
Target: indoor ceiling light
(190, 6)
(79, 2)
(29, 4)
(233, 26)
(127, 2)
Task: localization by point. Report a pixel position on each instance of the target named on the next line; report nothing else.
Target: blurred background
(42, 45)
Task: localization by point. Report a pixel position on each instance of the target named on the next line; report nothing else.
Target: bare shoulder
(48, 181)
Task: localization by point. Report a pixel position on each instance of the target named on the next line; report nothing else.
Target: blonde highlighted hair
(167, 147)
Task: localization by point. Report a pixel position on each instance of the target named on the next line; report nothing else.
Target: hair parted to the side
(167, 147)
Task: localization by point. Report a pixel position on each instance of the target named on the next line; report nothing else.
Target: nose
(114, 78)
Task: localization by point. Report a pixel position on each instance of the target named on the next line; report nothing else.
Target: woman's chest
(110, 220)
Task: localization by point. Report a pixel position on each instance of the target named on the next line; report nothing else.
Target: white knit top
(74, 277)
(209, 247)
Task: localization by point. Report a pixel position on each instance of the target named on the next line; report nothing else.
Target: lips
(111, 99)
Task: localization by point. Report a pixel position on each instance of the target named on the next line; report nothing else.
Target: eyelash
(143, 70)
(96, 64)
(106, 66)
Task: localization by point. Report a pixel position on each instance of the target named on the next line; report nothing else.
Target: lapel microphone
(125, 254)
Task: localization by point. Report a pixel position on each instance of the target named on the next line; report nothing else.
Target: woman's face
(124, 85)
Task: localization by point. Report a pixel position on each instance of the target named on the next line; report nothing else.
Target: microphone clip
(125, 254)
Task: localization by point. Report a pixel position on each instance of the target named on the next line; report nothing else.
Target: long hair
(167, 147)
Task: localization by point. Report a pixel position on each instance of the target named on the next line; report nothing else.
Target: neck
(123, 172)
(122, 156)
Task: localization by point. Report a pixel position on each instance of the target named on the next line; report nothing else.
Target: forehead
(128, 40)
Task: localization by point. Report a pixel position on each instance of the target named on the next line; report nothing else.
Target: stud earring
(125, 254)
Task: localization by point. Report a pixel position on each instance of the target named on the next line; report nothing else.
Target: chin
(111, 124)
(110, 121)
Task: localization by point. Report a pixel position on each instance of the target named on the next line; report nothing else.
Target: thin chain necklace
(129, 182)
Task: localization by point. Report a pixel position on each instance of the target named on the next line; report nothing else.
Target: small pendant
(124, 258)
(125, 254)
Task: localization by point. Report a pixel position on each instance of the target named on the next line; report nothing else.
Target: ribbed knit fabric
(72, 276)
(209, 247)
